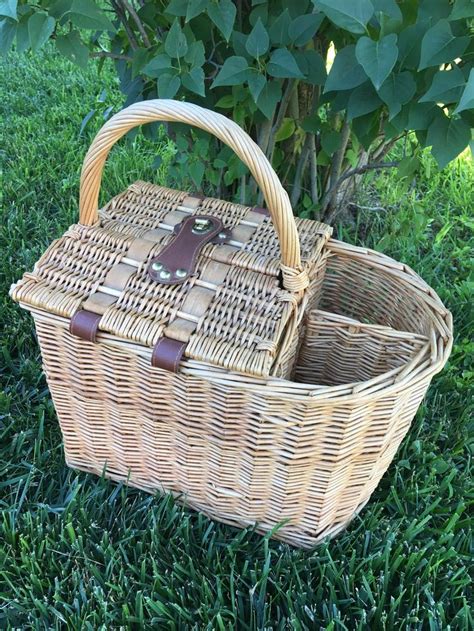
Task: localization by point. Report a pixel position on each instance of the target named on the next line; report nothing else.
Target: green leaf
(72, 47)
(233, 72)
(223, 13)
(439, 45)
(408, 166)
(226, 102)
(463, 9)
(8, 9)
(311, 65)
(349, 15)
(22, 36)
(331, 141)
(389, 8)
(397, 90)
(196, 171)
(421, 115)
(302, 28)
(446, 87)
(86, 14)
(258, 41)
(177, 7)
(286, 130)
(168, 85)
(158, 65)
(40, 27)
(256, 82)
(467, 98)
(58, 8)
(447, 138)
(7, 35)
(409, 45)
(346, 72)
(362, 100)
(269, 97)
(194, 81)
(196, 55)
(283, 65)
(194, 8)
(377, 58)
(279, 29)
(176, 44)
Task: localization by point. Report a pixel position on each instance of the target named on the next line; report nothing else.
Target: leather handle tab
(167, 354)
(176, 262)
(84, 324)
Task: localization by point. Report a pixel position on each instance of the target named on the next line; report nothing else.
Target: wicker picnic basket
(238, 358)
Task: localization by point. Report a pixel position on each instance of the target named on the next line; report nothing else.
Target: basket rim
(429, 361)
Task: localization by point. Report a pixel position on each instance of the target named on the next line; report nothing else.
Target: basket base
(281, 532)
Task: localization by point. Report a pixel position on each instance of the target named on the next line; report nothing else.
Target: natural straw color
(226, 130)
(303, 452)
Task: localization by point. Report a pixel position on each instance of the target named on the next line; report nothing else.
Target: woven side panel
(239, 456)
(355, 288)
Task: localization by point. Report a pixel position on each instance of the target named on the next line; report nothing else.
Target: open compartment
(337, 350)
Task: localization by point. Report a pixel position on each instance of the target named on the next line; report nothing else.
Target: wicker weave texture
(246, 450)
(244, 325)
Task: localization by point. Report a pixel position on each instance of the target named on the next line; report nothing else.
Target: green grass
(78, 552)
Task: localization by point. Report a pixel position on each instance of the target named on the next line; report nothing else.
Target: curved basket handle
(294, 277)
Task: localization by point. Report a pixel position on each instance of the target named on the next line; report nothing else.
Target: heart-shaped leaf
(258, 41)
(377, 58)
(439, 45)
(350, 15)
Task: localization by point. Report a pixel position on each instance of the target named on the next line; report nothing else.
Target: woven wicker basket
(298, 361)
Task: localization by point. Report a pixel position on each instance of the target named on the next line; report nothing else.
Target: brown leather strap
(176, 262)
(84, 324)
(167, 354)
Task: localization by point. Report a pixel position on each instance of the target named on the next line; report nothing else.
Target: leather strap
(84, 324)
(167, 354)
(176, 262)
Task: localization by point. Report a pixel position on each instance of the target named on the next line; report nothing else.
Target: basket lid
(230, 312)
(218, 282)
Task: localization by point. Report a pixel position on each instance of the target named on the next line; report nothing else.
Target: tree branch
(350, 173)
(123, 18)
(300, 167)
(106, 53)
(126, 5)
(313, 169)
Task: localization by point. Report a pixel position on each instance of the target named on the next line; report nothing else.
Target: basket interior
(366, 323)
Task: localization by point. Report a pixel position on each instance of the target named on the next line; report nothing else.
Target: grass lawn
(78, 552)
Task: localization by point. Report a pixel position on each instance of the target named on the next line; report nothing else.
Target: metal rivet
(181, 273)
(201, 226)
(222, 235)
(165, 274)
(156, 266)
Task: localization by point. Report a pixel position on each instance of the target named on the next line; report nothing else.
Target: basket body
(236, 357)
(247, 450)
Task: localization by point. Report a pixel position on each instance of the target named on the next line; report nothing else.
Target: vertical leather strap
(167, 354)
(84, 324)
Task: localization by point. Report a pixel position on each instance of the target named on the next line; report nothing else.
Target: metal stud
(165, 274)
(201, 226)
(156, 266)
(181, 273)
(222, 235)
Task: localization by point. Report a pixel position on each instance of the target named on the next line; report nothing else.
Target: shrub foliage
(325, 87)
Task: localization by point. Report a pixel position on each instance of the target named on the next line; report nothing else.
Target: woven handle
(278, 203)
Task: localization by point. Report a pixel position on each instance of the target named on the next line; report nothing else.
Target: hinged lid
(207, 276)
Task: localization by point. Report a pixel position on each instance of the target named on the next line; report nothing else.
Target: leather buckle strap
(176, 262)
